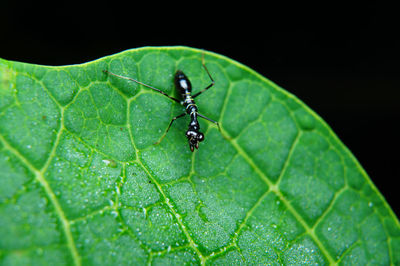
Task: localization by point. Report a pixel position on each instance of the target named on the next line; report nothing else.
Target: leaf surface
(82, 182)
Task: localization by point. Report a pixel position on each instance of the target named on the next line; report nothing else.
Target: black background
(339, 59)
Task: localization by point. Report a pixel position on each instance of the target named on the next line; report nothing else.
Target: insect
(183, 85)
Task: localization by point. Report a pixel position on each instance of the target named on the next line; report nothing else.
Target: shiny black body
(182, 83)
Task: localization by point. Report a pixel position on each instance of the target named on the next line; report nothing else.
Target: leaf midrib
(159, 188)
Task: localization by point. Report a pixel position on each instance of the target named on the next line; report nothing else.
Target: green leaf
(82, 183)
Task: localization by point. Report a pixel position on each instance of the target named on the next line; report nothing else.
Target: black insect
(182, 83)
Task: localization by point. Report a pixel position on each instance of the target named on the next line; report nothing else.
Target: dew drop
(39, 251)
(110, 163)
(306, 120)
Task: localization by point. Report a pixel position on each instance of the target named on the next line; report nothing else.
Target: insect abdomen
(182, 83)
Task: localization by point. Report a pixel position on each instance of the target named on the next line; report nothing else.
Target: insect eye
(200, 137)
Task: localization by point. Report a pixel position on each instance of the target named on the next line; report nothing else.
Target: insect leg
(170, 123)
(141, 83)
(209, 75)
(209, 119)
(215, 122)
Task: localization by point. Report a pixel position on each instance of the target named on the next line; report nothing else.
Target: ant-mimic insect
(182, 83)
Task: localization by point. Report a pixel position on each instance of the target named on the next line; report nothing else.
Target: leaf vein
(64, 221)
(289, 206)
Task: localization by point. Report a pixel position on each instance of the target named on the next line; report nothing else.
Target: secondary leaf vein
(274, 188)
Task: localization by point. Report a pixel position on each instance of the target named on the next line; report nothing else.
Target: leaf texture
(81, 181)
